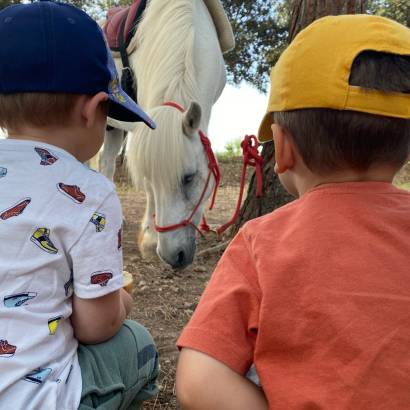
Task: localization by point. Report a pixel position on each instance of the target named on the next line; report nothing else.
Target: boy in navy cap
(60, 223)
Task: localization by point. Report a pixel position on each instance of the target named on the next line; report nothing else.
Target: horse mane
(161, 160)
(165, 71)
(164, 60)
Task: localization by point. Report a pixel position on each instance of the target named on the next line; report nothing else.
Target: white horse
(176, 55)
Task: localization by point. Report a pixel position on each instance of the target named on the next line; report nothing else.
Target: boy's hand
(204, 383)
(128, 282)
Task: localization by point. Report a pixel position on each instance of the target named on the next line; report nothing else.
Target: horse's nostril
(181, 258)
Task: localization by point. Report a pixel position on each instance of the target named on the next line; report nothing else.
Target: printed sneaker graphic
(15, 210)
(72, 191)
(7, 350)
(119, 239)
(68, 286)
(46, 157)
(101, 278)
(38, 376)
(18, 299)
(3, 172)
(99, 221)
(41, 237)
(53, 324)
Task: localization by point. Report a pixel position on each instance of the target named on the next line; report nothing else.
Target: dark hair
(36, 109)
(331, 140)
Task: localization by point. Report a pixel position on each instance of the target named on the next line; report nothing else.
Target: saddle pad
(121, 18)
(222, 25)
(116, 16)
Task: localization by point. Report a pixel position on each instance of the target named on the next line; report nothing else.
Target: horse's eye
(187, 179)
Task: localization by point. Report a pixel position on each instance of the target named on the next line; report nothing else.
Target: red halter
(213, 170)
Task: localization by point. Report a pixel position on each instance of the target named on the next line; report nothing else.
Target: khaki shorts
(120, 373)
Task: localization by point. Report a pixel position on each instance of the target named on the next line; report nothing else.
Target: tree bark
(304, 12)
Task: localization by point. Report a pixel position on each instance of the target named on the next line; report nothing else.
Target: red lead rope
(251, 157)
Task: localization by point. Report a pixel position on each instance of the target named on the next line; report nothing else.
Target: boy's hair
(36, 109)
(331, 140)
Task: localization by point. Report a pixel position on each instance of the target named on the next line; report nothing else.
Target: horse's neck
(209, 75)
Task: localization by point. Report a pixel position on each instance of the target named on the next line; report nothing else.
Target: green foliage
(398, 10)
(98, 8)
(261, 31)
(260, 28)
(232, 149)
(5, 3)
(405, 186)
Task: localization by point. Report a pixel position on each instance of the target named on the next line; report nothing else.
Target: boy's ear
(284, 149)
(90, 107)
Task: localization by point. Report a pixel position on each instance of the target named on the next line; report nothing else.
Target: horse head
(172, 166)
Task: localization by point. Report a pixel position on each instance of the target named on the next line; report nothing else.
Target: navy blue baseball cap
(55, 47)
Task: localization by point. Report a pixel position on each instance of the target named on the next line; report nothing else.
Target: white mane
(164, 66)
(164, 60)
(161, 160)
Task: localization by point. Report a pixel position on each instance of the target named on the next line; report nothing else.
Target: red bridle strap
(212, 165)
(174, 105)
(213, 171)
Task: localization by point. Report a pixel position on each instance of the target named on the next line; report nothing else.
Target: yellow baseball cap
(314, 71)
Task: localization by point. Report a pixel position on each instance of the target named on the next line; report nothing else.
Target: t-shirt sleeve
(225, 323)
(97, 255)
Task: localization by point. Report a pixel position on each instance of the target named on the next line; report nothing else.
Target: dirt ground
(165, 299)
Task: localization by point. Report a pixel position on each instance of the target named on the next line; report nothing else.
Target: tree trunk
(304, 12)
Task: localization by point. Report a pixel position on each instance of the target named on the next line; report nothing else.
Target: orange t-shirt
(317, 295)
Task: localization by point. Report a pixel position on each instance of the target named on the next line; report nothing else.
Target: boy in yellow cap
(317, 293)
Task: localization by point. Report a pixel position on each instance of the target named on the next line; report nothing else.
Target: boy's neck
(383, 173)
(67, 138)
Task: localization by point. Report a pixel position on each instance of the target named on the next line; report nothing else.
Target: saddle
(121, 24)
(119, 29)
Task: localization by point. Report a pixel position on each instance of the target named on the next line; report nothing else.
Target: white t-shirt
(60, 232)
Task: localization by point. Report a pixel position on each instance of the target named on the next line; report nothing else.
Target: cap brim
(265, 131)
(122, 108)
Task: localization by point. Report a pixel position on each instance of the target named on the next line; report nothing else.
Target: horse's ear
(192, 119)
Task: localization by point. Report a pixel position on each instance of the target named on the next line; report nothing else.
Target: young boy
(60, 223)
(317, 294)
